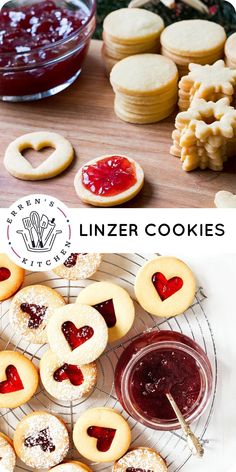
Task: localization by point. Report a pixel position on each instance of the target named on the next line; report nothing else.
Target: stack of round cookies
(130, 31)
(230, 51)
(145, 87)
(193, 41)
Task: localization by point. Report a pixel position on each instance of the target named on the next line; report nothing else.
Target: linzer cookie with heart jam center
(7, 454)
(140, 459)
(101, 435)
(77, 333)
(79, 266)
(18, 379)
(11, 277)
(165, 286)
(31, 310)
(41, 440)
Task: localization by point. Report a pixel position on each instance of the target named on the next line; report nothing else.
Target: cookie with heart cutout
(31, 309)
(224, 199)
(41, 440)
(165, 286)
(11, 277)
(18, 379)
(140, 459)
(7, 454)
(109, 180)
(79, 266)
(71, 466)
(18, 166)
(64, 381)
(113, 303)
(77, 333)
(101, 435)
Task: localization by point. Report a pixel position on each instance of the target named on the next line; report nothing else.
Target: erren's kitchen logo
(38, 232)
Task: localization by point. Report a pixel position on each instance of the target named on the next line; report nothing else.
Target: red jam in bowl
(158, 363)
(42, 46)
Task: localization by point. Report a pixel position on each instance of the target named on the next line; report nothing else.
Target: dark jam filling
(109, 176)
(72, 259)
(13, 382)
(33, 26)
(4, 274)
(69, 372)
(166, 288)
(158, 373)
(106, 309)
(135, 469)
(104, 437)
(76, 337)
(42, 439)
(36, 314)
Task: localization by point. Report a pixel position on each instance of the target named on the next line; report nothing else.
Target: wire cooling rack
(120, 269)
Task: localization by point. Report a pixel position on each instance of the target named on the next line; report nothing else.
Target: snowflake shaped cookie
(205, 135)
(211, 82)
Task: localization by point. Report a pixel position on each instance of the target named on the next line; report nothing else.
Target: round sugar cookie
(101, 435)
(7, 454)
(141, 119)
(193, 37)
(11, 277)
(79, 266)
(18, 379)
(140, 459)
(64, 381)
(154, 100)
(30, 310)
(144, 74)
(18, 166)
(165, 286)
(77, 333)
(132, 25)
(113, 303)
(186, 60)
(146, 110)
(71, 466)
(41, 440)
(230, 47)
(109, 180)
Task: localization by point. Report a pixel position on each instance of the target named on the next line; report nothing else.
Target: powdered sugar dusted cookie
(72, 466)
(64, 381)
(141, 459)
(11, 277)
(79, 266)
(113, 303)
(77, 333)
(7, 454)
(101, 435)
(18, 379)
(31, 309)
(41, 440)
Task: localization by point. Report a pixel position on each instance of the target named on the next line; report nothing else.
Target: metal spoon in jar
(192, 440)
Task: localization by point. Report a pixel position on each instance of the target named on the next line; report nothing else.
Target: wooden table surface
(84, 114)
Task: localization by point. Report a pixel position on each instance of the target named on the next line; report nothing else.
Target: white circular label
(38, 232)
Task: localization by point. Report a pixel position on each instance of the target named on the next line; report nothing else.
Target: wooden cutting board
(84, 114)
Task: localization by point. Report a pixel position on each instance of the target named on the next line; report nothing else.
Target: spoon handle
(193, 442)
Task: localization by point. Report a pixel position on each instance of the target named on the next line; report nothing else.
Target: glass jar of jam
(157, 363)
(42, 46)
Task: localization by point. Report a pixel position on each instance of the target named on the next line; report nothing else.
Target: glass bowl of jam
(161, 362)
(42, 46)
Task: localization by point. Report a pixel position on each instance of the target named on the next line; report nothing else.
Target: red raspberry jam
(109, 176)
(104, 437)
(106, 309)
(71, 372)
(163, 362)
(42, 439)
(36, 314)
(13, 381)
(4, 274)
(72, 259)
(165, 288)
(42, 45)
(76, 337)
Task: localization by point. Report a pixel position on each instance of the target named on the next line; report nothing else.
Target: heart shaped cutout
(104, 437)
(36, 158)
(36, 314)
(69, 372)
(42, 439)
(13, 381)
(107, 310)
(135, 469)
(76, 336)
(4, 274)
(166, 288)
